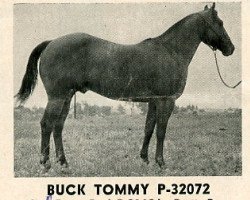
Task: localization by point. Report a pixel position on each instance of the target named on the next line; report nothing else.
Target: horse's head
(214, 34)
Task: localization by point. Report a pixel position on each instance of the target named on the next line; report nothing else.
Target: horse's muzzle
(229, 51)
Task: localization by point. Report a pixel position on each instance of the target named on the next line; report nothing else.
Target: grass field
(204, 145)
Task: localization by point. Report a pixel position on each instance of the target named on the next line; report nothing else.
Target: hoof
(145, 159)
(64, 165)
(160, 162)
(45, 162)
(62, 162)
(65, 169)
(45, 166)
(62, 169)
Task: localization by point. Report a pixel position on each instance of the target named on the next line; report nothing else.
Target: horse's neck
(183, 39)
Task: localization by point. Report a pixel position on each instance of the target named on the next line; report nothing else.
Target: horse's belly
(122, 92)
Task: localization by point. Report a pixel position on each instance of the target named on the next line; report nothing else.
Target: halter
(217, 66)
(215, 57)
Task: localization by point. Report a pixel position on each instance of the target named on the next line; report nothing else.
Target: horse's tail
(30, 77)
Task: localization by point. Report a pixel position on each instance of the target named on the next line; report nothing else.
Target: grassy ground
(205, 145)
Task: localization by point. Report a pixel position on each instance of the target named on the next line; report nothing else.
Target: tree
(121, 110)
(79, 108)
(143, 107)
(23, 113)
(91, 110)
(40, 110)
(176, 109)
(86, 109)
(106, 110)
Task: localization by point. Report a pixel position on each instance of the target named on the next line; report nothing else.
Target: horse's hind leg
(57, 133)
(149, 129)
(52, 112)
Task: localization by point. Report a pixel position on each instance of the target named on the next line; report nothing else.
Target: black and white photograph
(124, 100)
(127, 89)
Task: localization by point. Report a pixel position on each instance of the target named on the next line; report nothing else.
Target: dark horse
(153, 71)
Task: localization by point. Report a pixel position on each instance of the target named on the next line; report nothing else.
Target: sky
(129, 24)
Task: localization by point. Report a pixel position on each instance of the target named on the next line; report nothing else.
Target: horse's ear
(213, 6)
(206, 7)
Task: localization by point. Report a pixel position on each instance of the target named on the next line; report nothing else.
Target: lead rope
(218, 69)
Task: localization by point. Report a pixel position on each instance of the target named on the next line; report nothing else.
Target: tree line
(129, 108)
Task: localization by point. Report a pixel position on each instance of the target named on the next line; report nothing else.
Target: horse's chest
(171, 78)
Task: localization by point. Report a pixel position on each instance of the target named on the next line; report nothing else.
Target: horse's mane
(177, 25)
(172, 28)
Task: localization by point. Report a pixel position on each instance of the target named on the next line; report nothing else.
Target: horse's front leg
(149, 129)
(164, 110)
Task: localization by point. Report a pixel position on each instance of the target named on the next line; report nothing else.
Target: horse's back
(68, 44)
